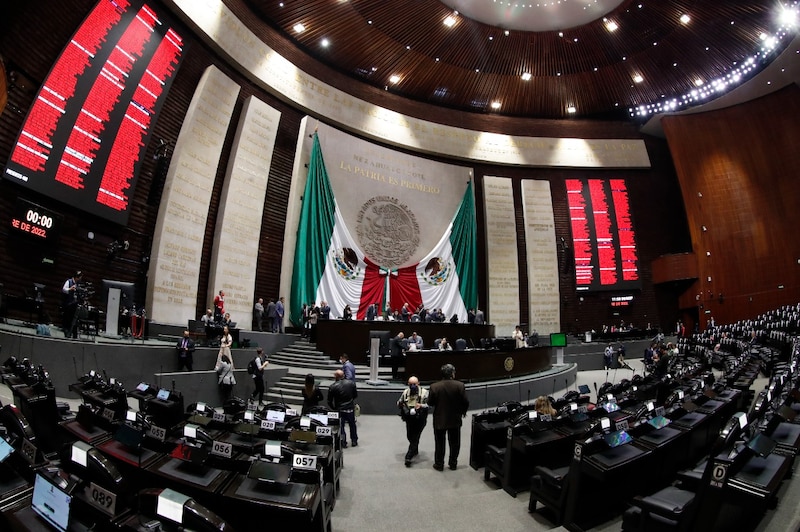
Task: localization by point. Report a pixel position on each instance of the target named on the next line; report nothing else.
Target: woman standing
(225, 343)
(224, 369)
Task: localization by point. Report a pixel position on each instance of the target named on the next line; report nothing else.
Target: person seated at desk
(226, 321)
(444, 345)
(347, 313)
(519, 337)
(416, 341)
(543, 406)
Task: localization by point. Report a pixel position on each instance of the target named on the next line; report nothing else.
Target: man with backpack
(256, 368)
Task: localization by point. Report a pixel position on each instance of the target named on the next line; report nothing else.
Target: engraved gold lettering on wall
(234, 258)
(222, 27)
(180, 227)
(501, 251)
(541, 251)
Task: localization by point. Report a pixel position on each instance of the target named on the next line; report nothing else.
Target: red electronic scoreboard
(85, 134)
(603, 239)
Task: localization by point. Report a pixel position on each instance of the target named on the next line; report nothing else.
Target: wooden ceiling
(470, 65)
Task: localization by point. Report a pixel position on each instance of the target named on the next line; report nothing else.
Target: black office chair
(550, 487)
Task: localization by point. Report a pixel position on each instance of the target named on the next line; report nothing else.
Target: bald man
(342, 396)
(413, 405)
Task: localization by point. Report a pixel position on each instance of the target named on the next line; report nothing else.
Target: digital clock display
(35, 220)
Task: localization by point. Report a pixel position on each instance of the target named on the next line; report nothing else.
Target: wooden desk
(335, 337)
(478, 364)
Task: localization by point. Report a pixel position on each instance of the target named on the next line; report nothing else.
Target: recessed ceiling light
(449, 21)
(299, 28)
(506, 33)
(571, 110)
(495, 105)
(685, 18)
(325, 43)
(526, 76)
(394, 78)
(611, 26)
(638, 78)
(698, 82)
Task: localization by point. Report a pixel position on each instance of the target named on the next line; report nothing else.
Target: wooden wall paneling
(737, 170)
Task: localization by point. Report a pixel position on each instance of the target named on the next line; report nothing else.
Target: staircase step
(283, 355)
(299, 351)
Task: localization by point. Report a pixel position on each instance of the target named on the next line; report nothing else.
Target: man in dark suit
(372, 313)
(448, 397)
(398, 346)
(185, 349)
(479, 318)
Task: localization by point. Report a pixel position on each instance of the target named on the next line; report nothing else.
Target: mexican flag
(330, 266)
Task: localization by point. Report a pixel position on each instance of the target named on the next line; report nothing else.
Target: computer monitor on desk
(51, 500)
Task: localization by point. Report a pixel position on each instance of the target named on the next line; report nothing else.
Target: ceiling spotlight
(788, 16)
(394, 78)
(526, 76)
(299, 28)
(495, 105)
(698, 82)
(506, 33)
(571, 110)
(325, 43)
(685, 18)
(638, 78)
(611, 26)
(449, 21)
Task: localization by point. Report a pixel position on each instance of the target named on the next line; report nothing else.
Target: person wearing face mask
(413, 405)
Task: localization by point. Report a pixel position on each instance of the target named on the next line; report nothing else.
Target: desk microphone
(554, 387)
(282, 399)
(486, 397)
(173, 385)
(529, 396)
(566, 385)
(75, 369)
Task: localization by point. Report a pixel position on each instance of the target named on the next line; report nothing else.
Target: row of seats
(221, 464)
(739, 480)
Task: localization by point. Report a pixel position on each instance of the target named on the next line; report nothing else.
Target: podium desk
(601, 483)
(293, 506)
(487, 429)
(528, 449)
(92, 435)
(325, 455)
(198, 481)
(141, 457)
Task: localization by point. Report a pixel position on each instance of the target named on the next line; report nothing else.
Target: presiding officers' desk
(335, 337)
(478, 364)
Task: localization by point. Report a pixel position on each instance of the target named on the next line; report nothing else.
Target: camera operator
(69, 306)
